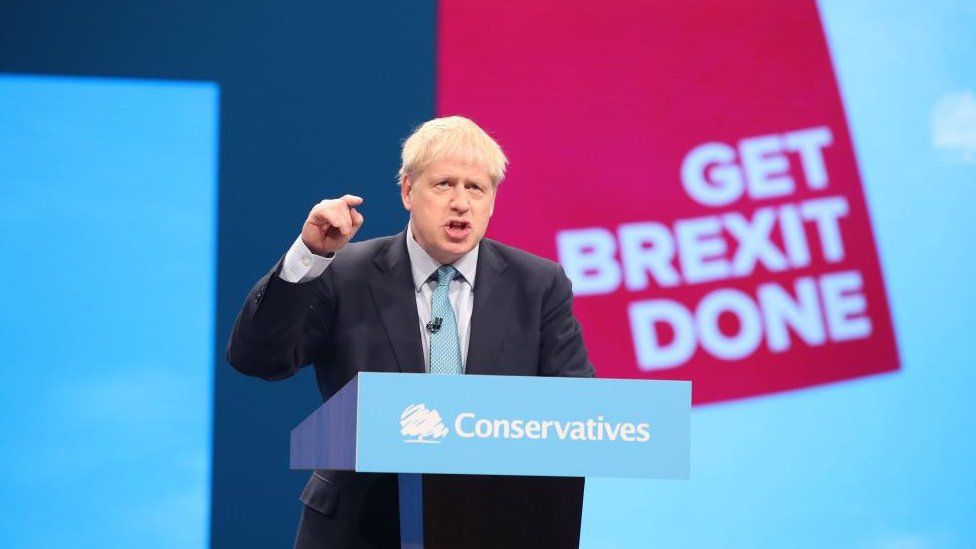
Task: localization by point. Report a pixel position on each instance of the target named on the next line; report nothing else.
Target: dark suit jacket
(361, 315)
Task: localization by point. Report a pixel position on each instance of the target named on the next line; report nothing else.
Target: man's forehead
(452, 169)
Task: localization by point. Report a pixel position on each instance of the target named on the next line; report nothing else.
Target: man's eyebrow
(436, 177)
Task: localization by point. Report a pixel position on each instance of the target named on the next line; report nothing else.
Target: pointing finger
(352, 200)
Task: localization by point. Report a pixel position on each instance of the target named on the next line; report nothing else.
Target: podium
(488, 461)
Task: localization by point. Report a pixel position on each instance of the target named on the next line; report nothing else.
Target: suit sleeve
(562, 351)
(282, 326)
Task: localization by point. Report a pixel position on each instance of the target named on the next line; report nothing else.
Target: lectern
(492, 461)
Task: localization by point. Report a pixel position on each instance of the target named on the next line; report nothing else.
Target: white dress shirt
(301, 265)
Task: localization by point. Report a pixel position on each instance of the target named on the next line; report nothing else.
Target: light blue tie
(445, 348)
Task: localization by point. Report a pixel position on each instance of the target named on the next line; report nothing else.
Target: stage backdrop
(771, 199)
(693, 168)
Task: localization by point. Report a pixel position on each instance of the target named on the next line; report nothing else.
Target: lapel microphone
(434, 325)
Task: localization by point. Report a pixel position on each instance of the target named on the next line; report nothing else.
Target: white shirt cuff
(301, 265)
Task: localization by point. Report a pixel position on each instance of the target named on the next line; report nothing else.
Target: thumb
(356, 217)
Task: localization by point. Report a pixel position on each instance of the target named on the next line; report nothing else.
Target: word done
(831, 307)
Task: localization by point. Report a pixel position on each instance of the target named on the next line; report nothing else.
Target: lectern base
(474, 511)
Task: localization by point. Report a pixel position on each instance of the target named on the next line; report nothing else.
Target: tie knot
(445, 274)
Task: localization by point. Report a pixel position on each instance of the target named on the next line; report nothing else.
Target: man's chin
(449, 252)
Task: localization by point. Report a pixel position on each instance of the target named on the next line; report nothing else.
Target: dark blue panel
(315, 98)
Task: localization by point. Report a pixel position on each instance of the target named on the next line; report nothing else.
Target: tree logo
(421, 425)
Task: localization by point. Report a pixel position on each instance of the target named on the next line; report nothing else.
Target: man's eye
(443, 183)
(474, 187)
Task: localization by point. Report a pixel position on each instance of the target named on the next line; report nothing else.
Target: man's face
(449, 204)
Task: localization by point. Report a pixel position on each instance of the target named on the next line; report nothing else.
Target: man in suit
(438, 298)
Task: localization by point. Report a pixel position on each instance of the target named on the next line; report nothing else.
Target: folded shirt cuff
(301, 265)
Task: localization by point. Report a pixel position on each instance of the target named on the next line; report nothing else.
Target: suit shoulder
(521, 259)
(355, 254)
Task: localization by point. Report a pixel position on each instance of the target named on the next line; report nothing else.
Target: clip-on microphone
(435, 324)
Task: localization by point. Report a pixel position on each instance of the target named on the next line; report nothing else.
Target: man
(436, 298)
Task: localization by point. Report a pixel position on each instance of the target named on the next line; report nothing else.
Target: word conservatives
(467, 425)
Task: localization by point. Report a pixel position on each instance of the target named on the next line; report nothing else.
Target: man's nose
(459, 201)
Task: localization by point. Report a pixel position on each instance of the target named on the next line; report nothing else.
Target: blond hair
(454, 137)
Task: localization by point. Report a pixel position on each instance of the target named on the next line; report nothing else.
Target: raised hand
(331, 224)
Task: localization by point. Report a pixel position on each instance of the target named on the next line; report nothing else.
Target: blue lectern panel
(523, 425)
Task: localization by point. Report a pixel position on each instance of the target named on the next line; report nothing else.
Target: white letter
(647, 248)
(482, 428)
(766, 169)
(587, 257)
(754, 242)
(825, 212)
(698, 240)
(794, 236)
(651, 354)
(712, 338)
(726, 184)
(843, 300)
(518, 429)
(809, 143)
(457, 425)
(780, 310)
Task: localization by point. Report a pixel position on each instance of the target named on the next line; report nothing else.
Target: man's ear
(405, 187)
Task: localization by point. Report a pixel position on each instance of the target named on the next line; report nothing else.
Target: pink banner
(690, 166)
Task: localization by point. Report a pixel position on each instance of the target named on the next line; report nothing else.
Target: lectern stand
(497, 461)
(489, 511)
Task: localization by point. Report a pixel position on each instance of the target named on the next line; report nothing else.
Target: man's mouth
(458, 230)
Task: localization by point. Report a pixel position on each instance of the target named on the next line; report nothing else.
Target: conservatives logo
(420, 424)
(423, 425)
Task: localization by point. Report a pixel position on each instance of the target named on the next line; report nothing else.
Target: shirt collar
(422, 266)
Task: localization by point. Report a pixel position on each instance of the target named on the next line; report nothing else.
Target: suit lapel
(393, 293)
(487, 318)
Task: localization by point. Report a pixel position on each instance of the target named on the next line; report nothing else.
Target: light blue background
(887, 461)
(107, 226)
(663, 405)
